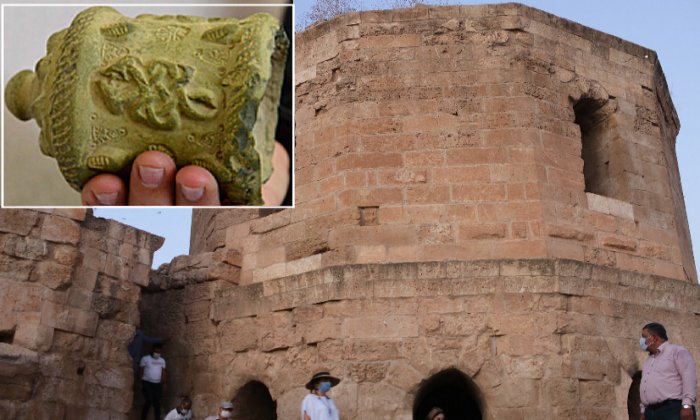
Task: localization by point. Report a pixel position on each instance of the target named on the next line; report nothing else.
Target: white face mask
(156, 355)
(225, 414)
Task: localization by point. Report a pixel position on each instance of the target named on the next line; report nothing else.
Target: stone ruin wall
(539, 338)
(442, 221)
(69, 291)
(445, 133)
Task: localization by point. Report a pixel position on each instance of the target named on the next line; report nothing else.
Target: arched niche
(254, 402)
(451, 390)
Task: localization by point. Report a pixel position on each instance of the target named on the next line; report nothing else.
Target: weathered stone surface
(60, 229)
(17, 221)
(53, 275)
(25, 247)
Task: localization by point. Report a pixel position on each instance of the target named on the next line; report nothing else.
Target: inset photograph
(147, 106)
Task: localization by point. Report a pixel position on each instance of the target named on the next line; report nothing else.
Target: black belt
(661, 404)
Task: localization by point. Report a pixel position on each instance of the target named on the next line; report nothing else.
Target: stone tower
(488, 209)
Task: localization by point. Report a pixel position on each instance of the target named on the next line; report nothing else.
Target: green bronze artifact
(203, 91)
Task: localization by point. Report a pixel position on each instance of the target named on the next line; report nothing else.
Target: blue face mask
(643, 343)
(324, 386)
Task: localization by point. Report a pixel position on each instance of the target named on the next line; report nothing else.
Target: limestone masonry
(69, 293)
(488, 209)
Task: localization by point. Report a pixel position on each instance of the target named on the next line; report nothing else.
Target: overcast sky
(669, 28)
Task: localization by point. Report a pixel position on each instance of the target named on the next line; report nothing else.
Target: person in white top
(183, 411)
(225, 412)
(152, 374)
(318, 405)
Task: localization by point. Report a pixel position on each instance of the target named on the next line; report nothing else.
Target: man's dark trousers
(152, 393)
(670, 411)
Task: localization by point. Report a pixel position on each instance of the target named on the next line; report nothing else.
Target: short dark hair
(157, 346)
(185, 400)
(657, 329)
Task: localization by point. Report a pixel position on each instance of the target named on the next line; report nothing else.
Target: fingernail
(192, 194)
(107, 199)
(151, 177)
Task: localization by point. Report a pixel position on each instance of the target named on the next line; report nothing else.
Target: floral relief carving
(155, 94)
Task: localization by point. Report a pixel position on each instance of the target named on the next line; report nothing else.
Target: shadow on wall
(453, 392)
(253, 401)
(633, 398)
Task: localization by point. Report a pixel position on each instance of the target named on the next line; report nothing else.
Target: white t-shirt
(319, 408)
(174, 415)
(152, 368)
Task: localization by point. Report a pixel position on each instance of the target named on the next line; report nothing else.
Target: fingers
(155, 181)
(151, 182)
(104, 190)
(275, 189)
(195, 186)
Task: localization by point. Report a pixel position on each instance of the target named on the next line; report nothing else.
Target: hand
(686, 414)
(155, 181)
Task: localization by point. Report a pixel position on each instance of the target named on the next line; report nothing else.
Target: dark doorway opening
(254, 402)
(452, 391)
(633, 399)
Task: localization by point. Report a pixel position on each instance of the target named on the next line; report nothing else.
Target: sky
(669, 28)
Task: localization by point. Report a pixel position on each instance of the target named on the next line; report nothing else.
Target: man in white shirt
(669, 382)
(225, 412)
(318, 405)
(152, 381)
(183, 411)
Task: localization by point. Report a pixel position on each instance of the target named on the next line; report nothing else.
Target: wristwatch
(688, 406)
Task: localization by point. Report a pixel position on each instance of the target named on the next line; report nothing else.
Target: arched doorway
(254, 402)
(451, 390)
(633, 399)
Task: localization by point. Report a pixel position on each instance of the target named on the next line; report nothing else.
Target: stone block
(118, 289)
(16, 360)
(307, 314)
(16, 388)
(561, 392)
(321, 330)
(386, 327)
(115, 331)
(52, 275)
(238, 335)
(140, 274)
(368, 372)
(25, 247)
(93, 258)
(117, 267)
(69, 319)
(85, 278)
(20, 297)
(197, 311)
(15, 269)
(75, 214)
(31, 333)
(60, 229)
(527, 268)
(379, 400)
(365, 350)
(403, 376)
(118, 378)
(19, 222)
(66, 255)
